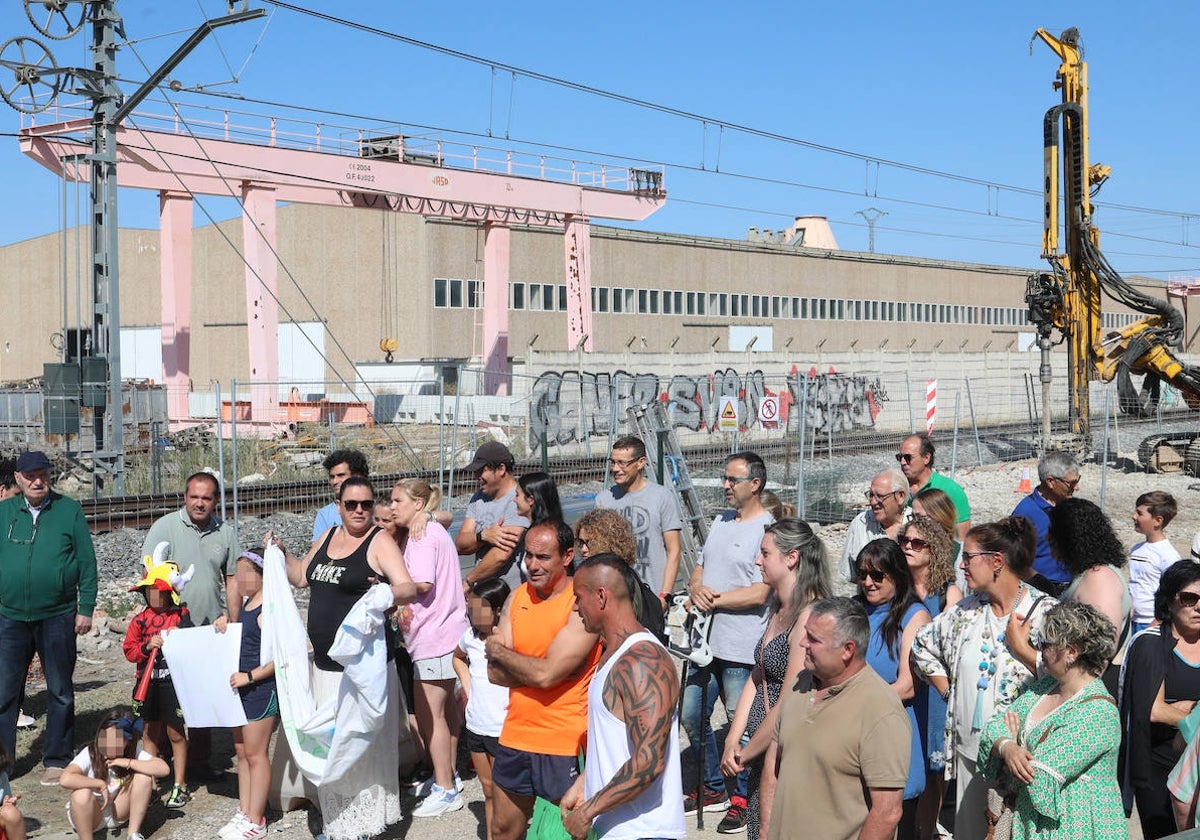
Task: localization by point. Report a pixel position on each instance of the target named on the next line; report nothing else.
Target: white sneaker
(234, 827)
(440, 801)
(422, 789)
(135, 835)
(254, 832)
(457, 782)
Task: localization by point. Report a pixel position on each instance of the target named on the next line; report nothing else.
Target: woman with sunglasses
(896, 614)
(965, 656)
(795, 564)
(338, 570)
(1054, 752)
(927, 549)
(1160, 684)
(939, 507)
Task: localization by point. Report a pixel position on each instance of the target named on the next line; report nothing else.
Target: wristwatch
(249, 677)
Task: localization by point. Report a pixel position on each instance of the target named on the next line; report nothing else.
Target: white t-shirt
(84, 762)
(1147, 562)
(488, 703)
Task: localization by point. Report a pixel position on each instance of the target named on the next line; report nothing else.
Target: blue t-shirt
(1037, 510)
(886, 663)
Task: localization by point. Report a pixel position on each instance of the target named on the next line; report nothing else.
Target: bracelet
(1000, 746)
(249, 677)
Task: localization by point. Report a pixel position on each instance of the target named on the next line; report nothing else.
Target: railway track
(140, 511)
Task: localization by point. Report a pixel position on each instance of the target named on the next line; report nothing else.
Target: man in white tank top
(630, 787)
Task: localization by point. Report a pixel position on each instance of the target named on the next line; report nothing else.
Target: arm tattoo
(642, 690)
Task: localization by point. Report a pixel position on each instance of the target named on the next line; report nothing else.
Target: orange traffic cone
(1025, 486)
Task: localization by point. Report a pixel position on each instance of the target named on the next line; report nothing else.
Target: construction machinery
(1068, 298)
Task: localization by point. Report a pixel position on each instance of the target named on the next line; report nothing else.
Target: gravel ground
(104, 679)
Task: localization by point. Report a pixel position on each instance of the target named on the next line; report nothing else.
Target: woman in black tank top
(347, 561)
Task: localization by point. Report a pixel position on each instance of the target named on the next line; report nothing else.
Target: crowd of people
(1031, 665)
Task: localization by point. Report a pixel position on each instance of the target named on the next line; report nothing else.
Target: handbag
(998, 814)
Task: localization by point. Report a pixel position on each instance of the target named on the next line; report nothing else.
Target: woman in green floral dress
(1055, 750)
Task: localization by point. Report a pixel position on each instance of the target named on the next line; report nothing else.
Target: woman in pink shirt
(432, 625)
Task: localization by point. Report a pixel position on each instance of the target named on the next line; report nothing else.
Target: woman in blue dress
(930, 554)
(885, 587)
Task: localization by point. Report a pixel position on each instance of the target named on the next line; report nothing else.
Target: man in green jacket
(47, 595)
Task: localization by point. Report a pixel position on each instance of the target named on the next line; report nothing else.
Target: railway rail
(140, 511)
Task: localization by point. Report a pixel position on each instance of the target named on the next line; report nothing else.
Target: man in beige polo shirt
(843, 736)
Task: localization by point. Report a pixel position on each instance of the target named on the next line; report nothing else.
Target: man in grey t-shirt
(492, 529)
(652, 512)
(728, 583)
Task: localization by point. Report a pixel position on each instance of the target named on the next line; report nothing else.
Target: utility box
(95, 381)
(60, 398)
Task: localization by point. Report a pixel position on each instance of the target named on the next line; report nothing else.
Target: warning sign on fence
(728, 416)
(768, 411)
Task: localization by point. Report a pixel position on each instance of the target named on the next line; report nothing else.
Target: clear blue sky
(947, 86)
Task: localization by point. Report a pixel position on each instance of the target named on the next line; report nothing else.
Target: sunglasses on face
(1038, 642)
(905, 457)
(874, 574)
(1188, 599)
(735, 480)
(354, 504)
(1070, 485)
(917, 543)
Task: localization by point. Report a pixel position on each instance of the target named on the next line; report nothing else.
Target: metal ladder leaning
(652, 424)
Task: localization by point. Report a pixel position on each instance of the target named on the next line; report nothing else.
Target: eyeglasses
(970, 554)
(18, 540)
(906, 457)
(1069, 484)
(735, 480)
(917, 543)
(581, 541)
(617, 462)
(872, 496)
(874, 574)
(355, 504)
(1188, 599)
(1041, 642)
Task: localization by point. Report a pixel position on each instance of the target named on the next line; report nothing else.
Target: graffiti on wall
(572, 406)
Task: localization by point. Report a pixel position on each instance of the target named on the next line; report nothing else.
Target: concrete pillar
(496, 247)
(259, 247)
(175, 255)
(579, 283)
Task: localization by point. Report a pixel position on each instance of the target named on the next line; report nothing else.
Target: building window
(439, 292)
(618, 300)
(456, 294)
(516, 295)
(603, 298)
(562, 298)
(654, 301)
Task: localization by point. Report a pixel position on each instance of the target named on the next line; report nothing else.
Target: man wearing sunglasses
(915, 458)
(48, 566)
(728, 583)
(885, 514)
(492, 528)
(1058, 478)
(652, 512)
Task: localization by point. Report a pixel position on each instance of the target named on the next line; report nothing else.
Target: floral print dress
(1074, 793)
(951, 646)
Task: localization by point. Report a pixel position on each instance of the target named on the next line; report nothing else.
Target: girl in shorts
(12, 824)
(255, 683)
(111, 779)
(486, 703)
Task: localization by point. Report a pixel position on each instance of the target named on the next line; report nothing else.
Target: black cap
(492, 452)
(32, 460)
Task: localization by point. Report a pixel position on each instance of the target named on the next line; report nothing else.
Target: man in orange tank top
(546, 657)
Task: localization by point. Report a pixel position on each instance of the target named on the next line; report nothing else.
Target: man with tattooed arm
(630, 787)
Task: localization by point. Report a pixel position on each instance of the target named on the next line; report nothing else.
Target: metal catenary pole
(802, 422)
(220, 445)
(974, 421)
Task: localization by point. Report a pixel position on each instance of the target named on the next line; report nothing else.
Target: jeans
(54, 641)
(727, 678)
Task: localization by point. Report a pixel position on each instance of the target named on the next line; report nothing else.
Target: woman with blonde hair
(605, 531)
(433, 626)
(795, 564)
(927, 549)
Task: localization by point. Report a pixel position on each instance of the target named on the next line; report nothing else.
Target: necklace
(989, 662)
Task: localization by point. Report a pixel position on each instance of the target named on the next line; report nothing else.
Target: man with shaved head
(630, 786)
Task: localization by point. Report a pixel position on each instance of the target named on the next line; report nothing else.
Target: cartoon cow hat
(163, 574)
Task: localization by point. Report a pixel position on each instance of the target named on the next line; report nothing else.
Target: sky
(943, 87)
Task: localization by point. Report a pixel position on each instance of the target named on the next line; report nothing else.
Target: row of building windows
(548, 297)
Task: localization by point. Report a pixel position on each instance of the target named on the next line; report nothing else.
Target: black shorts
(259, 701)
(534, 774)
(404, 670)
(161, 705)
(477, 743)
